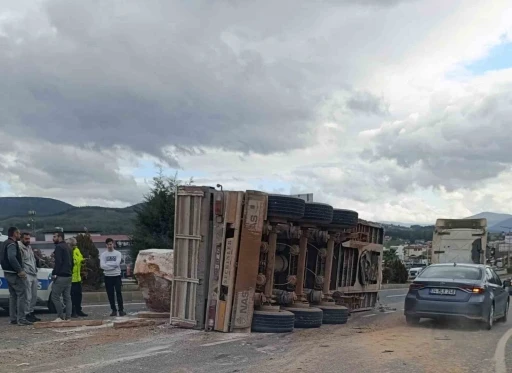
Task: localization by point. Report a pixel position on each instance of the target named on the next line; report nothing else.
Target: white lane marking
(221, 342)
(389, 311)
(373, 314)
(499, 355)
(393, 296)
(108, 305)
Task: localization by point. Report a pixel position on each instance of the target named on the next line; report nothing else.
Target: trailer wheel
(285, 207)
(272, 321)
(307, 317)
(317, 213)
(334, 314)
(345, 218)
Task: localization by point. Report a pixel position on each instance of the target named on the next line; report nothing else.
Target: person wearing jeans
(110, 262)
(30, 265)
(12, 265)
(61, 275)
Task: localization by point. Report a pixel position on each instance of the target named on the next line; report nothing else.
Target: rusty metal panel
(244, 306)
(366, 245)
(225, 239)
(215, 264)
(191, 228)
(227, 268)
(254, 215)
(349, 267)
(230, 258)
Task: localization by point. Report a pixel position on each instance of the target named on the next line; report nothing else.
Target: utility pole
(32, 220)
(508, 245)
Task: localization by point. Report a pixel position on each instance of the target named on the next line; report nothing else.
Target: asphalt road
(377, 341)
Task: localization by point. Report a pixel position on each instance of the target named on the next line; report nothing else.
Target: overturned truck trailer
(358, 267)
(250, 260)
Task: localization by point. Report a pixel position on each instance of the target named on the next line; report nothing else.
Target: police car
(44, 289)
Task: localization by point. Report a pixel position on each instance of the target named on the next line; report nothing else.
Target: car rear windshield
(454, 272)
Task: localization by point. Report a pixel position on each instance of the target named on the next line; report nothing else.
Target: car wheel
(505, 315)
(272, 321)
(412, 320)
(490, 318)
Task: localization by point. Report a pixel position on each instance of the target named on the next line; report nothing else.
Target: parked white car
(44, 290)
(415, 271)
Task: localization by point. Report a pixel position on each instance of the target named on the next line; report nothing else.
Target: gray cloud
(175, 78)
(205, 74)
(457, 144)
(65, 172)
(365, 102)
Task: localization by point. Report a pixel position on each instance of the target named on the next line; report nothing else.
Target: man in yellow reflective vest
(76, 280)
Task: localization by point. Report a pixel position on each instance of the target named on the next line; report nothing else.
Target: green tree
(399, 271)
(92, 274)
(389, 256)
(154, 223)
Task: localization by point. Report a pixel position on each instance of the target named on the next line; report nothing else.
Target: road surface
(374, 341)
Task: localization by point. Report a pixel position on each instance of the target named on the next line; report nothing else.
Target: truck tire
(317, 213)
(272, 321)
(307, 317)
(345, 218)
(334, 314)
(285, 207)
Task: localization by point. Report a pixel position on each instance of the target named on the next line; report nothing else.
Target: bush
(92, 274)
(400, 274)
(395, 273)
(387, 275)
(44, 260)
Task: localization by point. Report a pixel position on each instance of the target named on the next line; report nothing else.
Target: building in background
(122, 243)
(68, 233)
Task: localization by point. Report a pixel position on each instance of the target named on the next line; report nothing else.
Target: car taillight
(473, 289)
(414, 286)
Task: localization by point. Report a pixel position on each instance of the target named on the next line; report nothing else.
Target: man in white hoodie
(30, 265)
(110, 262)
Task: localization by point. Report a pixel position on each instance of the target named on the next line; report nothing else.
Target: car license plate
(442, 291)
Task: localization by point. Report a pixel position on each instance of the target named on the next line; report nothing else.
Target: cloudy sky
(398, 109)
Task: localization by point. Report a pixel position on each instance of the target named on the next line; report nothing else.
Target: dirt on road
(380, 344)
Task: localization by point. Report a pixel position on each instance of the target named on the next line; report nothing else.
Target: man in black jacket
(12, 265)
(61, 275)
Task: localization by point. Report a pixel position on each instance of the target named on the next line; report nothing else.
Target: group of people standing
(20, 266)
(20, 270)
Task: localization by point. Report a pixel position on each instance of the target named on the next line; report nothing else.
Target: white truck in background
(460, 241)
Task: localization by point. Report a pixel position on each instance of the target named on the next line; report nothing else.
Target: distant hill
(103, 219)
(493, 219)
(51, 213)
(19, 206)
